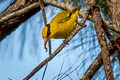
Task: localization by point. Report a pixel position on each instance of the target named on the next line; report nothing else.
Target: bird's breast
(62, 31)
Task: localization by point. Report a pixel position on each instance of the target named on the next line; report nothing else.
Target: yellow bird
(61, 25)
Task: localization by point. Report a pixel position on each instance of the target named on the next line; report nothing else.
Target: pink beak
(45, 43)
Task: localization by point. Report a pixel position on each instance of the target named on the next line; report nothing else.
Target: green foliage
(77, 3)
(103, 5)
(100, 3)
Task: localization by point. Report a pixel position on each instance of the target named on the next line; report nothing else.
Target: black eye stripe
(48, 32)
(74, 10)
(70, 14)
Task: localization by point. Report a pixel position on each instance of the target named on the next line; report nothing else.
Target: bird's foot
(64, 41)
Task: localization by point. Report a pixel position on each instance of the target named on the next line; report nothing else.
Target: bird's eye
(48, 31)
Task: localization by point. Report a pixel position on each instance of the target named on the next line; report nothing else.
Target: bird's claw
(46, 49)
(65, 42)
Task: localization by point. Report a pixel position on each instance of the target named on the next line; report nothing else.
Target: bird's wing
(62, 17)
(65, 17)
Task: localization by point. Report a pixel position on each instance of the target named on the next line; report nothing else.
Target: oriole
(61, 25)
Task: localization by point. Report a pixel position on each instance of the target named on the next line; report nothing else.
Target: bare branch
(18, 13)
(102, 40)
(17, 4)
(60, 71)
(111, 26)
(98, 61)
(61, 5)
(43, 11)
(114, 43)
(10, 25)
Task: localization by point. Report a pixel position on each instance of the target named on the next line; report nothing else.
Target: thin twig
(62, 74)
(44, 71)
(74, 69)
(43, 11)
(65, 72)
(45, 21)
(60, 70)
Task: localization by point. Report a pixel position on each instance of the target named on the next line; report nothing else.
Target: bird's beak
(45, 43)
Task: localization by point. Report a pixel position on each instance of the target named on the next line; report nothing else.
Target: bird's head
(75, 11)
(46, 34)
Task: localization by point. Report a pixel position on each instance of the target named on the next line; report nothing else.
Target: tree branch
(19, 12)
(98, 61)
(10, 25)
(102, 40)
(114, 43)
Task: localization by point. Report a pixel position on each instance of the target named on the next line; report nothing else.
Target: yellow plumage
(61, 25)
